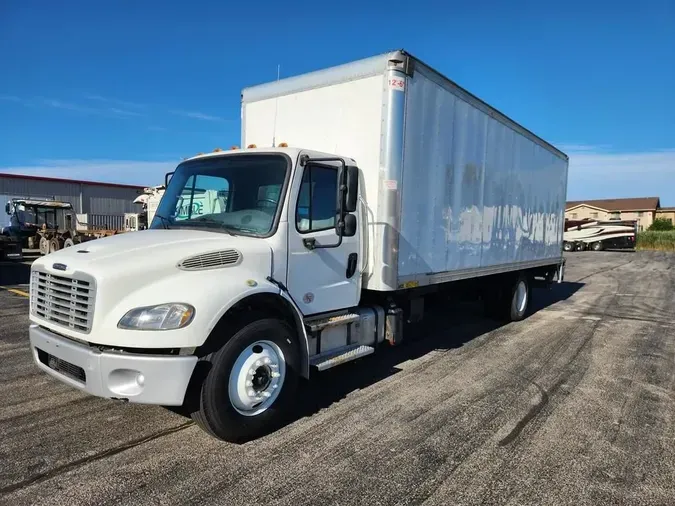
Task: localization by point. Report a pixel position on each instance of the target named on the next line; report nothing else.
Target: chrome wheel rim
(521, 296)
(257, 378)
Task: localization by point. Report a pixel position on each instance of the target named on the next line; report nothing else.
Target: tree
(661, 224)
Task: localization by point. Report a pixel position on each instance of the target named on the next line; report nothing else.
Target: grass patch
(656, 240)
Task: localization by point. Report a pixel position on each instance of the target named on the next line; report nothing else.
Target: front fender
(267, 287)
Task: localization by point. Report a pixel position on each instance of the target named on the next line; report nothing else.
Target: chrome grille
(63, 300)
(211, 260)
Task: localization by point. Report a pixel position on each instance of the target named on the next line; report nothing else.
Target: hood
(137, 269)
(141, 255)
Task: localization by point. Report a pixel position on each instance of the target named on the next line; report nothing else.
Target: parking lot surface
(575, 405)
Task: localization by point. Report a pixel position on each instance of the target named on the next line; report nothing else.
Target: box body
(453, 188)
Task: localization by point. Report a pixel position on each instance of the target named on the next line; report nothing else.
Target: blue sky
(121, 91)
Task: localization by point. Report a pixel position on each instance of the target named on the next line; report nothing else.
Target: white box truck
(391, 184)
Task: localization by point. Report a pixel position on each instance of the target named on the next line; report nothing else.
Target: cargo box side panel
(478, 194)
(443, 177)
(524, 199)
(343, 118)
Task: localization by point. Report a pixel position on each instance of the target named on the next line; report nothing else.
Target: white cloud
(115, 112)
(58, 104)
(123, 103)
(11, 98)
(197, 115)
(123, 112)
(596, 172)
(138, 172)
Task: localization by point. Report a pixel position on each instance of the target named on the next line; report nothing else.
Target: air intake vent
(213, 260)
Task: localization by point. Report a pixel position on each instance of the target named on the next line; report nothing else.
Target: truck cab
(251, 268)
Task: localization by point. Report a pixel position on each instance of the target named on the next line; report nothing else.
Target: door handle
(351, 264)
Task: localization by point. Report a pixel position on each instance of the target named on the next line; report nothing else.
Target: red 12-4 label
(397, 84)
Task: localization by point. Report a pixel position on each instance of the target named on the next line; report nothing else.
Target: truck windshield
(235, 193)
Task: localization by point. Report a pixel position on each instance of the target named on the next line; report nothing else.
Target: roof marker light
(251, 146)
(283, 145)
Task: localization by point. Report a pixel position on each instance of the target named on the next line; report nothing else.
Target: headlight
(160, 317)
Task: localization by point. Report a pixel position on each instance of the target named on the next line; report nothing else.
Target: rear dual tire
(250, 382)
(509, 301)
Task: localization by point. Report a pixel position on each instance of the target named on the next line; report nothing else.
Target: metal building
(101, 202)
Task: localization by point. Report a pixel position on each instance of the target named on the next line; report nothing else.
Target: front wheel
(44, 246)
(251, 382)
(597, 246)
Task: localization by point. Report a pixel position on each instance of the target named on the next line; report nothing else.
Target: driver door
(323, 279)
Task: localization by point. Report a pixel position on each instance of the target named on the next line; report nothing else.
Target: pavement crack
(92, 458)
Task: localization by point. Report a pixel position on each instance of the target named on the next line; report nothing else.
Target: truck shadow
(468, 323)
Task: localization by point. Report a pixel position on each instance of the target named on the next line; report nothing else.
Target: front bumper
(144, 379)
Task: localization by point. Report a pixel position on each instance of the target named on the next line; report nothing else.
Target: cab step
(339, 356)
(333, 321)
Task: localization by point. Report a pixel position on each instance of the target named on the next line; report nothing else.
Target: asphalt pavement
(574, 405)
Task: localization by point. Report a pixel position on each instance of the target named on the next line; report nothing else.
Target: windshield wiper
(164, 221)
(210, 221)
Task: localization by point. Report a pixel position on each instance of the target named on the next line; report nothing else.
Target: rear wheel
(54, 245)
(568, 246)
(251, 382)
(68, 243)
(509, 301)
(520, 299)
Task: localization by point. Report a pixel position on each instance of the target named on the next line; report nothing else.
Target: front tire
(44, 246)
(597, 246)
(251, 383)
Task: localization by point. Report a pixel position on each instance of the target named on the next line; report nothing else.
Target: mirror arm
(310, 243)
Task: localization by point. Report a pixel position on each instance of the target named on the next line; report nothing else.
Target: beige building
(666, 213)
(644, 210)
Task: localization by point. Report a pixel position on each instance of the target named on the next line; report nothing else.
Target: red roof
(63, 180)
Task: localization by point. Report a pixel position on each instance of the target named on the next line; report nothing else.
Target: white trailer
(597, 235)
(398, 185)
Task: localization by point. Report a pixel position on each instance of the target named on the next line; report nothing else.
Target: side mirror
(352, 197)
(349, 229)
(7, 208)
(167, 176)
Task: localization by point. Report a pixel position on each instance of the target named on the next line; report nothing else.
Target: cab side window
(317, 209)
